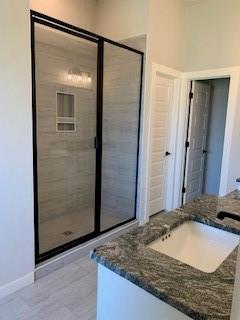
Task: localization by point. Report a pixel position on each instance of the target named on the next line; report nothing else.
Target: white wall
(113, 19)
(165, 46)
(165, 32)
(123, 19)
(81, 13)
(16, 189)
(234, 167)
(212, 29)
(216, 131)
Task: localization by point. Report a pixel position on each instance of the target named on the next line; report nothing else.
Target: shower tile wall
(139, 43)
(120, 129)
(66, 160)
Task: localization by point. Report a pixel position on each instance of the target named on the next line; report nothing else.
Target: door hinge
(187, 144)
(190, 95)
(183, 189)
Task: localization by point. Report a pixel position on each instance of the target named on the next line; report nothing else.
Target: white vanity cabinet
(120, 299)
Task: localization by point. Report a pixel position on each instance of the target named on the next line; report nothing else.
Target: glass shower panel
(121, 107)
(66, 73)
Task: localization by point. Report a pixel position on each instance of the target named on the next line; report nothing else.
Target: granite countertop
(195, 293)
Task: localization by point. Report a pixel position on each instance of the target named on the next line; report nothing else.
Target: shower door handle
(95, 143)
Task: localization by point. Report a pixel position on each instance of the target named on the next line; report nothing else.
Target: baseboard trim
(16, 285)
(143, 222)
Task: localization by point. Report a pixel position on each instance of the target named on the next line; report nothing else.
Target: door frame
(36, 17)
(233, 74)
(177, 77)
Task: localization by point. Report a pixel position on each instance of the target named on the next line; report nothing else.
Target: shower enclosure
(86, 120)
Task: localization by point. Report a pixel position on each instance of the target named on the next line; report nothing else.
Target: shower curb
(44, 268)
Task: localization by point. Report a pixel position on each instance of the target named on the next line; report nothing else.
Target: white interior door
(197, 137)
(160, 136)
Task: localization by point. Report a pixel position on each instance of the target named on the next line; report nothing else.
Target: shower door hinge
(190, 95)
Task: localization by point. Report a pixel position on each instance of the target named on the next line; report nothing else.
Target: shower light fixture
(78, 76)
(89, 79)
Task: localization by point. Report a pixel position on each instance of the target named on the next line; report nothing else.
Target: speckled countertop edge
(197, 294)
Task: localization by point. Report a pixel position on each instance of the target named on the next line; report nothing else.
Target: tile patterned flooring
(66, 294)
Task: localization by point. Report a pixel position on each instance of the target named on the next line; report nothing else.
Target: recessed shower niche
(65, 113)
(86, 115)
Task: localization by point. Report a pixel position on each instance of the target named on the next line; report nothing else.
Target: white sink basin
(198, 245)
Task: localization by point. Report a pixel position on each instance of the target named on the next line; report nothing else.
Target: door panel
(65, 130)
(121, 85)
(199, 111)
(160, 131)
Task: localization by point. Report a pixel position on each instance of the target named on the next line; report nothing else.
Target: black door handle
(204, 151)
(167, 153)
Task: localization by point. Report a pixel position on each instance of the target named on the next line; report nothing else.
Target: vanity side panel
(119, 299)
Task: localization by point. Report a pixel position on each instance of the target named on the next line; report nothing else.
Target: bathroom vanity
(179, 266)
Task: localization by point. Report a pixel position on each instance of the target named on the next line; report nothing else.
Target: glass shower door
(65, 116)
(120, 134)
(86, 118)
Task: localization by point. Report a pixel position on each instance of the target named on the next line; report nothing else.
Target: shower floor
(60, 230)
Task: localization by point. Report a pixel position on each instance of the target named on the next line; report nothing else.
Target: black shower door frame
(39, 18)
